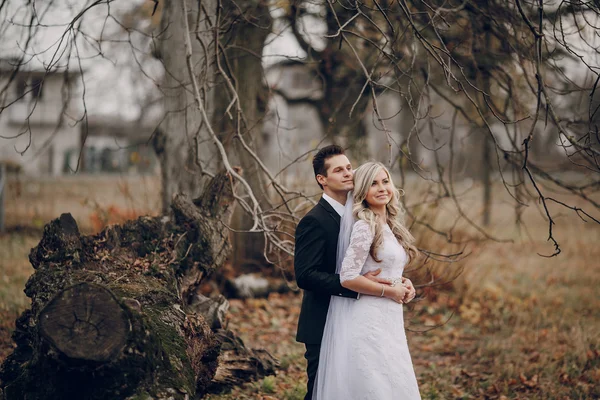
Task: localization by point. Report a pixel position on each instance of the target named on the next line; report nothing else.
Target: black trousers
(312, 358)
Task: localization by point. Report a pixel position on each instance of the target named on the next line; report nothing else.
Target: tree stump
(85, 322)
(111, 315)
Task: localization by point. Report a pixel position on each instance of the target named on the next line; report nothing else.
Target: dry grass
(525, 326)
(15, 269)
(14, 272)
(93, 200)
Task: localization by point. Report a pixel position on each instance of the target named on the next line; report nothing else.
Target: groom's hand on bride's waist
(372, 275)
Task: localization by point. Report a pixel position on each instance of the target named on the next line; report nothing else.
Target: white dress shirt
(337, 206)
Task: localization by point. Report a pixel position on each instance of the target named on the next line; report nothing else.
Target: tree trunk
(248, 25)
(110, 316)
(486, 179)
(487, 150)
(182, 143)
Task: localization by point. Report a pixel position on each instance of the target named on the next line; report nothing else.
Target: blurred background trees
(455, 94)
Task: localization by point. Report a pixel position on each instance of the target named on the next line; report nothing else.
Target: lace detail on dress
(358, 251)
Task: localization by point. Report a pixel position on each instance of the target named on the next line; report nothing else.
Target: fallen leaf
(469, 374)
(530, 383)
(534, 357)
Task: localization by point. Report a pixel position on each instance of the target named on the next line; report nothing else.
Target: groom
(315, 254)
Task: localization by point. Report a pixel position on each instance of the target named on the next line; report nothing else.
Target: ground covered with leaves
(514, 325)
(480, 351)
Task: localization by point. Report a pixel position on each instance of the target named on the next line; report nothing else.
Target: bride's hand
(396, 293)
(411, 290)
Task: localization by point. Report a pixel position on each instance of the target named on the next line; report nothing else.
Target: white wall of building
(32, 133)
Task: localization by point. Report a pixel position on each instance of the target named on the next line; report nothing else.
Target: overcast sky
(114, 82)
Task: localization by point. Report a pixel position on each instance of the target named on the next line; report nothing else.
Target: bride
(364, 353)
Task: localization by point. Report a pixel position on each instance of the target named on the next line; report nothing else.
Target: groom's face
(339, 174)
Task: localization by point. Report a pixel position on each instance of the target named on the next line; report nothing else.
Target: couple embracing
(351, 250)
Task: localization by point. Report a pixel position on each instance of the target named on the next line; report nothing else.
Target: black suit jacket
(314, 265)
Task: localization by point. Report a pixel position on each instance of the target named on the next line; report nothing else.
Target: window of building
(21, 88)
(37, 85)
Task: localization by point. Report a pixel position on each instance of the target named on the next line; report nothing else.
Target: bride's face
(380, 192)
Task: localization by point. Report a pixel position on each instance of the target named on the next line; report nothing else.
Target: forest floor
(513, 325)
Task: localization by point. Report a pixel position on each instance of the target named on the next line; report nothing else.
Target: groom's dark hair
(320, 159)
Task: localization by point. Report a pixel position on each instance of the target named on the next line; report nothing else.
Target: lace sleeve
(358, 251)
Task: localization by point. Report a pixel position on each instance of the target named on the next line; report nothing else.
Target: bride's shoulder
(360, 223)
(361, 226)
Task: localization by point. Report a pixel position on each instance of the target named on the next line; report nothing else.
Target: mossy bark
(126, 290)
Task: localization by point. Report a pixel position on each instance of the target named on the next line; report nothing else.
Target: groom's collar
(338, 207)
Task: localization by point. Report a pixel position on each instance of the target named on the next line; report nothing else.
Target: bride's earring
(402, 192)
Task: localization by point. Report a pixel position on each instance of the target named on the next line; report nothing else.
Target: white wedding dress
(365, 355)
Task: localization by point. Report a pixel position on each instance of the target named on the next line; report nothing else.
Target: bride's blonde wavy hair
(363, 178)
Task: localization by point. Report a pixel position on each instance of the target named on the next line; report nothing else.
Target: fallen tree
(117, 315)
